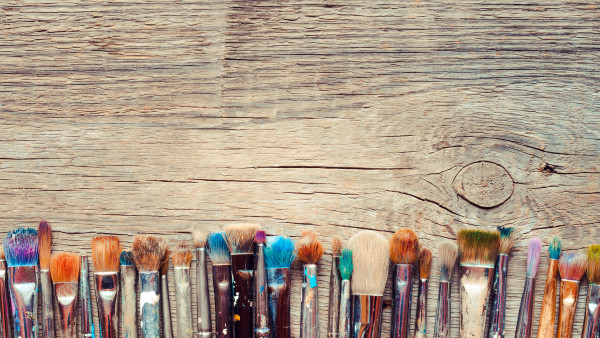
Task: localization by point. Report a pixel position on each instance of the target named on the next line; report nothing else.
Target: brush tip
(106, 251)
(163, 269)
(555, 247)
(280, 252)
(21, 247)
(309, 248)
(2, 256)
(572, 265)
(148, 252)
(593, 268)
(425, 257)
(533, 256)
(199, 236)
(478, 247)
(45, 244)
(404, 247)
(64, 267)
(126, 258)
(240, 237)
(336, 246)
(346, 264)
(261, 237)
(507, 239)
(217, 248)
(182, 255)
(447, 252)
(370, 260)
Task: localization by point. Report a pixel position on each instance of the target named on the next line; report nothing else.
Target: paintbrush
(204, 321)
(64, 270)
(279, 255)
(21, 250)
(525, 319)
(148, 253)
(261, 292)
(221, 268)
(345, 320)
(182, 260)
(240, 240)
(370, 259)
(105, 256)
(571, 267)
(424, 270)
(591, 326)
(507, 240)
(404, 252)
(334, 289)
(45, 244)
(478, 252)
(5, 329)
(309, 250)
(548, 312)
(87, 323)
(165, 303)
(447, 252)
(128, 295)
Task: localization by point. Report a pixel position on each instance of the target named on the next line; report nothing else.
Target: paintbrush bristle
(21, 247)
(260, 238)
(240, 237)
(105, 253)
(164, 263)
(148, 252)
(370, 260)
(478, 247)
(64, 267)
(309, 248)
(336, 246)
(404, 247)
(507, 239)
(533, 256)
(126, 258)
(217, 249)
(572, 265)
(2, 252)
(593, 268)
(45, 244)
(447, 251)
(279, 252)
(199, 236)
(346, 264)
(425, 257)
(555, 247)
(182, 256)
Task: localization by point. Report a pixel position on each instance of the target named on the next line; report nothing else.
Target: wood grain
(128, 117)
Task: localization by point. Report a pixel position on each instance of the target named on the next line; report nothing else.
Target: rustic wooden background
(129, 117)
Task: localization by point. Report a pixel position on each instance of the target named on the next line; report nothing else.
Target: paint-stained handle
(279, 281)
(345, 323)
(499, 302)
(47, 305)
(261, 293)
(23, 294)
(334, 298)
(204, 322)
(401, 299)
(150, 300)
(548, 312)
(223, 300)
(421, 322)
(87, 324)
(66, 301)
(367, 318)
(107, 293)
(309, 307)
(569, 292)
(165, 307)
(242, 267)
(591, 327)
(525, 318)
(475, 286)
(183, 298)
(5, 317)
(442, 316)
(129, 301)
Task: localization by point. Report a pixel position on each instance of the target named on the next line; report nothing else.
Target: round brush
(309, 250)
(404, 252)
(525, 318)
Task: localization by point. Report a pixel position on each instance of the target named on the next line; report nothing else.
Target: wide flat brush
(572, 267)
(507, 241)
(404, 252)
(87, 322)
(279, 255)
(548, 312)
(221, 269)
(5, 319)
(64, 270)
(204, 322)
(309, 251)
(262, 327)
(105, 256)
(447, 252)
(425, 257)
(370, 258)
(182, 260)
(128, 295)
(334, 289)
(165, 304)
(525, 318)
(240, 240)
(45, 245)
(591, 325)
(345, 310)
(21, 250)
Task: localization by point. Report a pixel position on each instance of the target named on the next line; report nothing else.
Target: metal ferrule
(548, 312)
(525, 319)
(569, 292)
(107, 293)
(421, 322)
(66, 300)
(223, 300)
(242, 268)
(23, 293)
(183, 297)
(334, 298)
(591, 325)
(401, 298)
(367, 318)
(475, 286)
(47, 305)
(309, 307)
(5, 317)
(204, 322)
(279, 281)
(261, 292)
(87, 324)
(149, 284)
(345, 321)
(128, 301)
(165, 306)
(442, 315)
(499, 302)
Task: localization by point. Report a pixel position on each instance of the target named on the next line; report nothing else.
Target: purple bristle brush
(525, 319)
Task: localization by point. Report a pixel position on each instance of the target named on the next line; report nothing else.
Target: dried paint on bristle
(336, 246)
(148, 252)
(279, 252)
(164, 263)
(572, 265)
(64, 267)
(45, 244)
(106, 251)
(21, 247)
(533, 256)
(346, 264)
(200, 236)
(447, 252)
(425, 257)
(555, 247)
(404, 247)
(260, 238)
(182, 256)
(507, 239)
(478, 247)
(240, 237)
(370, 260)
(217, 249)
(126, 258)
(309, 248)
(593, 268)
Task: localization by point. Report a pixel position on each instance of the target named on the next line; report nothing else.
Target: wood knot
(484, 184)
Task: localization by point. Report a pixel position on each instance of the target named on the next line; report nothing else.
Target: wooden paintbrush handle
(569, 292)
(548, 313)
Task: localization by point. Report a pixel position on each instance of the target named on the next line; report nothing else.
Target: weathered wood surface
(127, 117)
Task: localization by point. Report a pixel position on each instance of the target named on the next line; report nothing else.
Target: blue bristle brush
(280, 252)
(221, 267)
